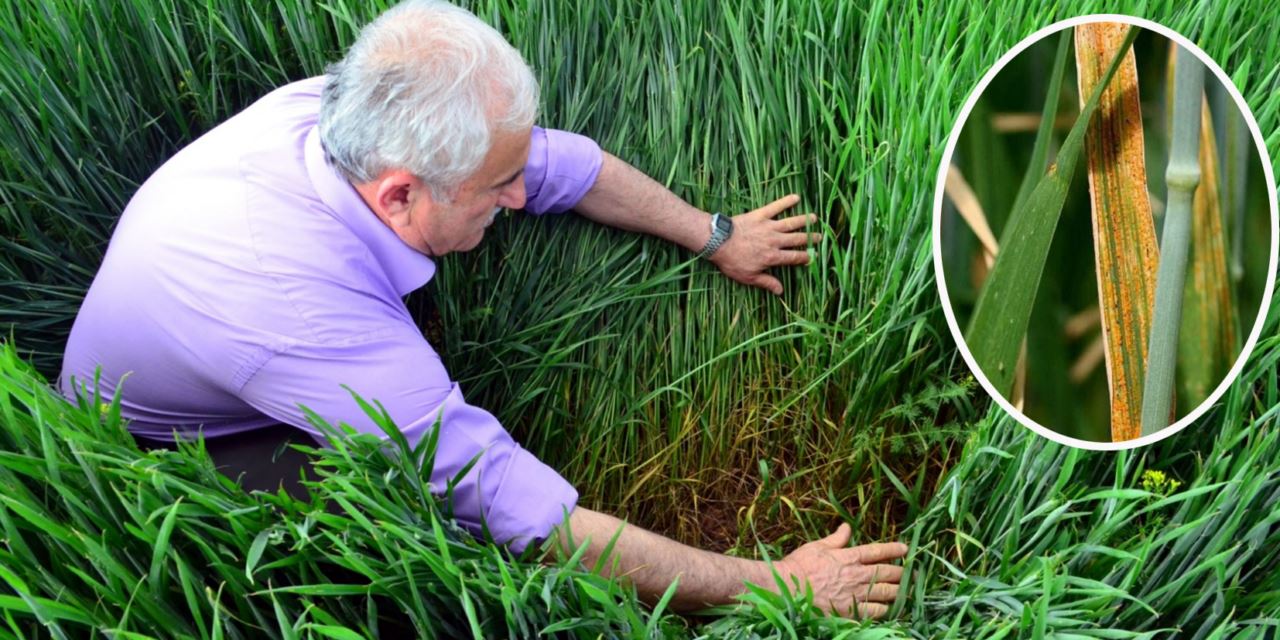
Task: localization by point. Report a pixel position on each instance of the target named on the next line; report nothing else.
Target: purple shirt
(247, 277)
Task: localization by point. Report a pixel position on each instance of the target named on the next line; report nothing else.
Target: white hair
(423, 89)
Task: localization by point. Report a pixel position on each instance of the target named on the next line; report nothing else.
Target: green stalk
(1181, 178)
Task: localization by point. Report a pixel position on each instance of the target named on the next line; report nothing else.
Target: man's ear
(396, 194)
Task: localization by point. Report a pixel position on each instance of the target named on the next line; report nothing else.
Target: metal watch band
(721, 229)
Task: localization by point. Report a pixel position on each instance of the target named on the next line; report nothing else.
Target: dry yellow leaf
(1125, 247)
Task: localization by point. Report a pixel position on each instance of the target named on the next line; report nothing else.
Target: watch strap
(719, 235)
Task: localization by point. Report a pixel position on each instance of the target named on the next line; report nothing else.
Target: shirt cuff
(517, 497)
(531, 500)
(562, 167)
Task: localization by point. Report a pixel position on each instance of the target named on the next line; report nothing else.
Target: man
(265, 265)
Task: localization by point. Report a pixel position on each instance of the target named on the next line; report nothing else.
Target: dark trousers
(259, 459)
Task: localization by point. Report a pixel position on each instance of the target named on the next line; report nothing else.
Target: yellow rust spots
(1124, 234)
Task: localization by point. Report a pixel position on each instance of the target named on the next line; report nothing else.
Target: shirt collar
(406, 268)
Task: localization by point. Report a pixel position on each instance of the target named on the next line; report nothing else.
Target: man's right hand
(842, 576)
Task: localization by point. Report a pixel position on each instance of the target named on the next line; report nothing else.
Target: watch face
(724, 223)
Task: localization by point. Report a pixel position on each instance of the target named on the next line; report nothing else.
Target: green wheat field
(721, 416)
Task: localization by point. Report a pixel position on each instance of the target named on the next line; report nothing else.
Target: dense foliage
(712, 413)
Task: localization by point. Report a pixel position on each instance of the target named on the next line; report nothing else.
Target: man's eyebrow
(510, 179)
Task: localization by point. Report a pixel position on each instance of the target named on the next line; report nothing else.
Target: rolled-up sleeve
(519, 498)
(562, 167)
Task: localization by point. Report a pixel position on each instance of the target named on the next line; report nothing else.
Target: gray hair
(423, 89)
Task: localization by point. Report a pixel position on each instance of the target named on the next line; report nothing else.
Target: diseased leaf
(1124, 234)
(1000, 318)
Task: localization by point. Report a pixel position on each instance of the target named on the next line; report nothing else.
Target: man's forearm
(626, 198)
(651, 562)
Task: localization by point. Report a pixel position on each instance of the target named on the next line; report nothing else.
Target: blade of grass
(1000, 318)
(1044, 132)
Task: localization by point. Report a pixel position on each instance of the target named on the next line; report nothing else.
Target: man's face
(459, 225)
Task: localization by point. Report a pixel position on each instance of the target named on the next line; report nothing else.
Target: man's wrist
(760, 573)
(721, 228)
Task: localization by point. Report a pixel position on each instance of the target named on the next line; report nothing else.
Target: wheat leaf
(1003, 310)
(1124, 235)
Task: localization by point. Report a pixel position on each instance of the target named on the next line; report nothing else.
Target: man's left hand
(760, 241)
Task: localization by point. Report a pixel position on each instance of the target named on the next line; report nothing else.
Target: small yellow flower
(1157, 482)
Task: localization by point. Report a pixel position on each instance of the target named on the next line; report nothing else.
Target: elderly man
(264, 266)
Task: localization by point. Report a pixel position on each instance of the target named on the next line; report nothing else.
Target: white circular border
(937, 234)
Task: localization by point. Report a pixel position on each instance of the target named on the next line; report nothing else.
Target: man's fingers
(879, 552)
(840, 538)
(881, 592)
(799, 239)
(872, 610)
(778, 206)
(795, 223)
(767, 282)
(887, 573)
(790, 258)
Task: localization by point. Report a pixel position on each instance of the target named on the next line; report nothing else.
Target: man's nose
(513, 197)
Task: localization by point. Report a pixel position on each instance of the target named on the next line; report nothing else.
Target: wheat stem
(1182, 177)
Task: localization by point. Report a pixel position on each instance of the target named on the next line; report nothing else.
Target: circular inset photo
(1105, 232)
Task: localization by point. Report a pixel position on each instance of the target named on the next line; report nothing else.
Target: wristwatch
(721, 229)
